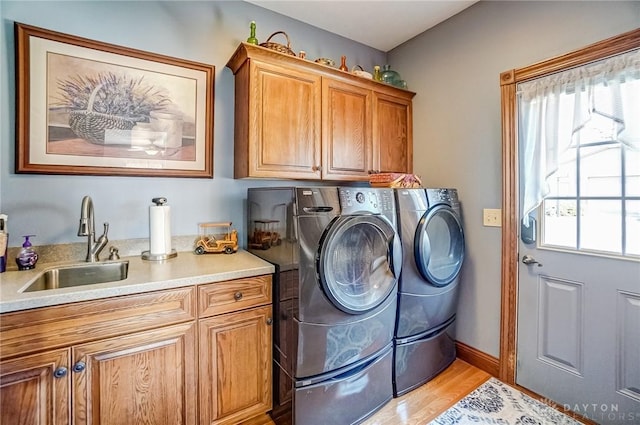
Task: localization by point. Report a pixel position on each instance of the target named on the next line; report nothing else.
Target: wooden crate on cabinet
(297, 119)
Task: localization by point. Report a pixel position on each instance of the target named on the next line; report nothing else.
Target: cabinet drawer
(233, 295)
(29, 331)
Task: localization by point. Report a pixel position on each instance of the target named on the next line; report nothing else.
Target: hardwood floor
(425, 403)
(428, 401)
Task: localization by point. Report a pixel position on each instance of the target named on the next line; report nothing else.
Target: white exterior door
(578, 332)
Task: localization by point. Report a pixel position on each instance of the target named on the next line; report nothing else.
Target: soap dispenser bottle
(27, 257)
(4, 241)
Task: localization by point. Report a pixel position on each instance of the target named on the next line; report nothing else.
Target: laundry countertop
(144, 276)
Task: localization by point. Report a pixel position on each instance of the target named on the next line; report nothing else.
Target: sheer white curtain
(603, 96)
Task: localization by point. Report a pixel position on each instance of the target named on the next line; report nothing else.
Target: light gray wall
(203, 31)
(454, 69)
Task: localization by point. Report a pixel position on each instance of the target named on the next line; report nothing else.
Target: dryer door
(358, 262)
(439, 245)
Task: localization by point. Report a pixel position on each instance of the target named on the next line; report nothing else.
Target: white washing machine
(433, 245)
(335, 301)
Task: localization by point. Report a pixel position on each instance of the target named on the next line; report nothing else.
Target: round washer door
(358, 262)
(439, 245)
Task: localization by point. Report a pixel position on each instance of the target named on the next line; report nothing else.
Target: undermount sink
(78, 275)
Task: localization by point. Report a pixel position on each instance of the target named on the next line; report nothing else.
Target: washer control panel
(442, 196)
(366, 200)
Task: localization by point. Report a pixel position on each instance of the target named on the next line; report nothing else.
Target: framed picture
(86, 107)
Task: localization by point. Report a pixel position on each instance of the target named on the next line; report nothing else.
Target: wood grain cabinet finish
(277, 126)
(35, 389)
(136, 360)
(392, 134)
(235, 350)
(235, 366)
(233, 295)
(101, 343)
(144, 378)
(346, 130)
(300, 120)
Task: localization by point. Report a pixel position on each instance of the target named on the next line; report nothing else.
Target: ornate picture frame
(92, 108)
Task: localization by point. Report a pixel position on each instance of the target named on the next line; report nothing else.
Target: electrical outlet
(492, 217)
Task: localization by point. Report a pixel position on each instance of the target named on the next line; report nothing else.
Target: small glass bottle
(343, 64)
(252, 38)
(376, 73)
(27, 257)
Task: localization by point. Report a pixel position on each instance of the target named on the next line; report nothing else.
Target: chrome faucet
(87, 228)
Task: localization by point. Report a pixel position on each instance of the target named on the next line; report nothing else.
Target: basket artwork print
(86, 107)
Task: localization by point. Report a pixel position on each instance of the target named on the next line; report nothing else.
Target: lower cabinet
(145, 378)
(235, 366)
(35, 390)
(148, 359)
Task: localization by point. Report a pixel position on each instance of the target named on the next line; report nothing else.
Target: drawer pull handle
(237, 296)
(79, 367)
(60, 372)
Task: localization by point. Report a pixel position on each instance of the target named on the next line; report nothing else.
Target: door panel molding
(509, 269)
(628, 344)
(561, 323)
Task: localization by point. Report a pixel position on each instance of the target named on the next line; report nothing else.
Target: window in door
(593, 205)
(581, 156)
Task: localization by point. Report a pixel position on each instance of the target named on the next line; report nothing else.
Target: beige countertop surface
(144, 276)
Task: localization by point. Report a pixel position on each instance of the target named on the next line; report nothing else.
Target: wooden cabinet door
(284, 122)
(235, 366)
(35, 390)
(346, 131)
(145, 378)
(392, 134)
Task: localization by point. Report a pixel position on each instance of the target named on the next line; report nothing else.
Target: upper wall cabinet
(296, 119)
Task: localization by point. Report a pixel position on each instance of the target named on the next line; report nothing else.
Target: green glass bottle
(252, 38)
(390, 76)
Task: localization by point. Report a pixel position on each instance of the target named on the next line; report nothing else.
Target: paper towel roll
(159, 230)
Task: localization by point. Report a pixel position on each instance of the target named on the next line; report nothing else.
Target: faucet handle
(113, 253)
(106, 228)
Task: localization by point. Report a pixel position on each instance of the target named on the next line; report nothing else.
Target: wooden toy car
(217, 237)
(263, 236)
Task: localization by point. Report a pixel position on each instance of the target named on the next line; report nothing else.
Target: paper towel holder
(147, 255)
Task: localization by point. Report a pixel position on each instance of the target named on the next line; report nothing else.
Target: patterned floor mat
(496, 403)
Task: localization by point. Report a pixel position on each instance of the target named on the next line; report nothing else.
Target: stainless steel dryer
(335, 302)
(433, 244)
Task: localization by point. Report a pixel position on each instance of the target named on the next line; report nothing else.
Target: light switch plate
(492, 217)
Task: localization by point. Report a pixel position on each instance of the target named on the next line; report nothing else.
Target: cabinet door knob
(237, 296)
(60, 372)
(79, 367)
(316, 168)
(269, 321)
